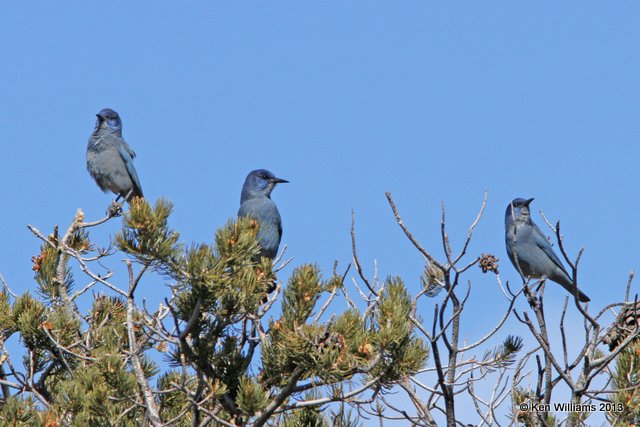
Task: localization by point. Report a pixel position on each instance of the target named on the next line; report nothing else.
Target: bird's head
(259, 182)
(518, 210)
(109, 119)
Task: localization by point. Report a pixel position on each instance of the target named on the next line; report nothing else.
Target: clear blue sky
(433, 101)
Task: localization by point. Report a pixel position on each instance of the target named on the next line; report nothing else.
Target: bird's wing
(128, 149)
(127, 155)
(542, 242)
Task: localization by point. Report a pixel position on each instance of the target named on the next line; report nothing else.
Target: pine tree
(230, 357)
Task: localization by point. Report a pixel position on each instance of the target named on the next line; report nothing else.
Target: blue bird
(529, 250)
(110, 158)
(255, 202)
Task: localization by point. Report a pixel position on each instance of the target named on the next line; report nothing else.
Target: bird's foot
(115, 209)
(272, 287)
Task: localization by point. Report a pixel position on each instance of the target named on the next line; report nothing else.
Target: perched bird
(530, 251)
(110, 158)
(255, 202)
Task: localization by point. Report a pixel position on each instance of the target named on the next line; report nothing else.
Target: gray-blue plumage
(255, 202)
(110, 158)
(530, 251)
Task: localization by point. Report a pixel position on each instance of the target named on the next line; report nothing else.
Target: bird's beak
(529, 201)
(100, 117)
(278, 181)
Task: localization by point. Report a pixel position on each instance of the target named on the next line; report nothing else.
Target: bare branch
(410, 236)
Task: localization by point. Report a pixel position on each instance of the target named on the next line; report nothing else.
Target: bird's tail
(565, 281)
(573, 290)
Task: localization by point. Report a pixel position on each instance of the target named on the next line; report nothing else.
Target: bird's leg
(541, 282)
(532, 297)
(128, 196)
